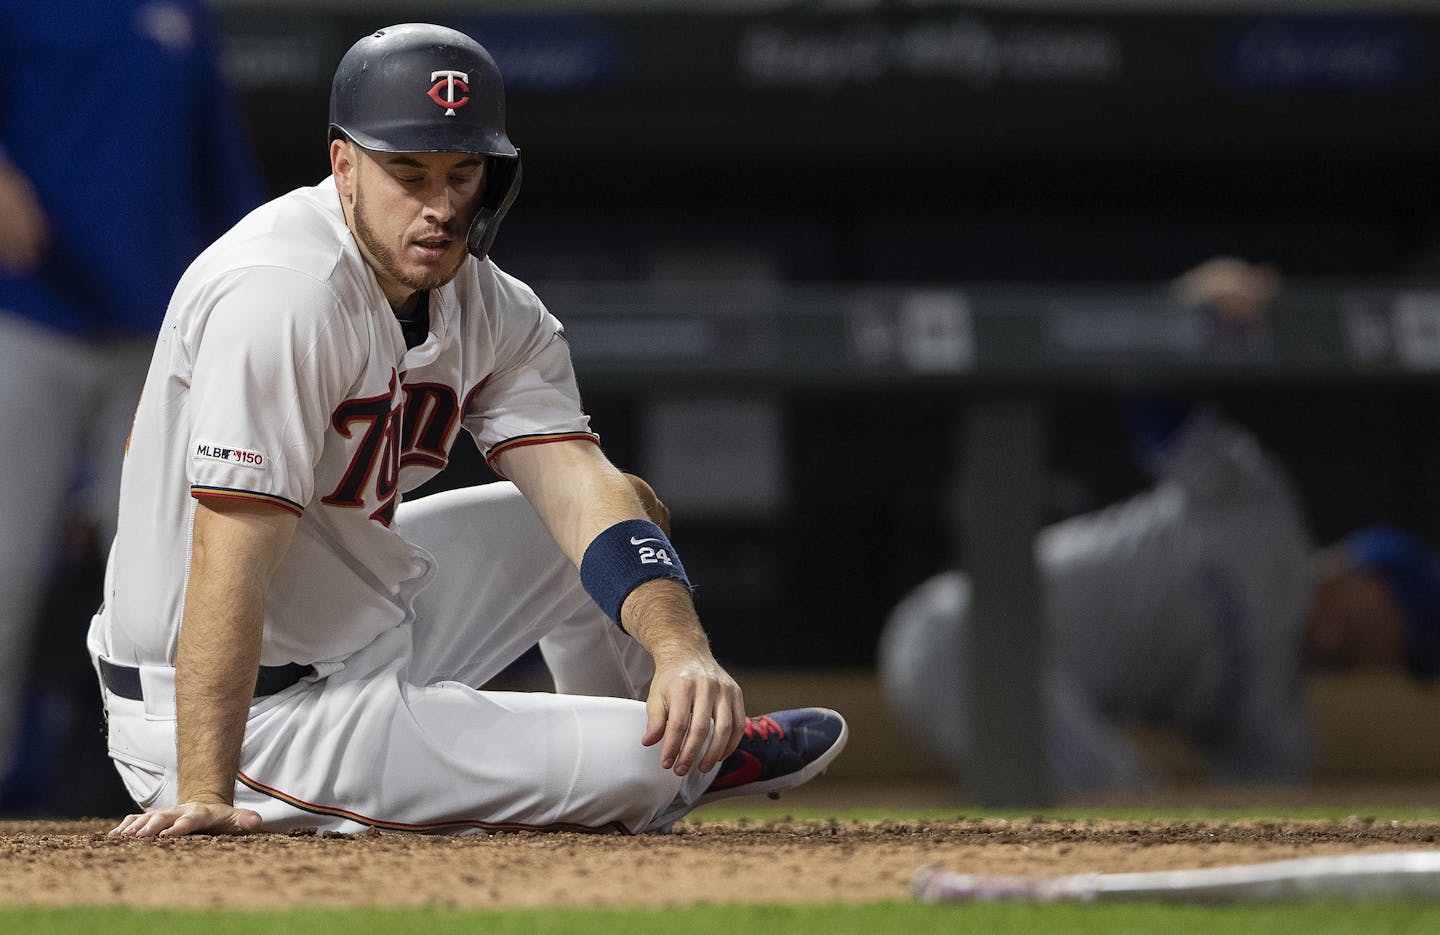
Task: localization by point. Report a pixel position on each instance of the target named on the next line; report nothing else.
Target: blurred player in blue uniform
(121, 158)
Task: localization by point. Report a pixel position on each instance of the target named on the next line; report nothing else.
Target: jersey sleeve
(530, 397)
(269, 365)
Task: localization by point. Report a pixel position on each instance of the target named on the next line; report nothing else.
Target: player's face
(411, 212)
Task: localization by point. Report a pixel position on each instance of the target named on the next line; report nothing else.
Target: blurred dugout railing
(1024, 336)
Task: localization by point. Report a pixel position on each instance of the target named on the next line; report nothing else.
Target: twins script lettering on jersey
(411, 424)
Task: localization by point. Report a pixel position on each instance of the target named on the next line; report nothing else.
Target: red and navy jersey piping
(520, 441)
(233, 493)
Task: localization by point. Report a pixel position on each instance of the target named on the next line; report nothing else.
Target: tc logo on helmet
(447, 85)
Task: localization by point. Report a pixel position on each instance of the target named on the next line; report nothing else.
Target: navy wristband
(624, 557)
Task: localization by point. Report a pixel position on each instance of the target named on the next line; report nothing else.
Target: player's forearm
(580, 494)
(661, 617)
(215, 665)
(575, 489)
(235, 549)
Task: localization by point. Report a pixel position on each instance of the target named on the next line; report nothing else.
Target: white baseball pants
(401, 738)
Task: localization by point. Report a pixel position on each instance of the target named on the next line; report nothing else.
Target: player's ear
(343, 162)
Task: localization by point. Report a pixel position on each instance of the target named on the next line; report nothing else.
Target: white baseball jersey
(281, 375)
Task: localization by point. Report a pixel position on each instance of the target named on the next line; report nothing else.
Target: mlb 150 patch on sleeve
(241, 456)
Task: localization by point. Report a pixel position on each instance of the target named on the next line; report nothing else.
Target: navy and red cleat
(779, 751)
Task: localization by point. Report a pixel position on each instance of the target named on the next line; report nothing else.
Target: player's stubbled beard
(386, 259)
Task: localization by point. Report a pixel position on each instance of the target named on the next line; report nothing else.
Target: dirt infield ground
(717, 861)
(768, 859)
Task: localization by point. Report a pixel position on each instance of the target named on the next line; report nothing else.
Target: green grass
(872, 919)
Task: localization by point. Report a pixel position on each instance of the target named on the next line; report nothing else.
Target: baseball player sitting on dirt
(287, 644)
(1194, 605)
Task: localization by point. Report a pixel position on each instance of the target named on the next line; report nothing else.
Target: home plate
(1393, 875)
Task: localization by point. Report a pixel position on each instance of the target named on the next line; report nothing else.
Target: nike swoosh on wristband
(634, 541)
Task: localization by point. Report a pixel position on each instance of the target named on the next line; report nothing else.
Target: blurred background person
(121, 156)
(1194, 606)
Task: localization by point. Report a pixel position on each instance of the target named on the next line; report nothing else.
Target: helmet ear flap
(501, 188)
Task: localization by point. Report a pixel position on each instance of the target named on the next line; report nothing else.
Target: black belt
(125, 680)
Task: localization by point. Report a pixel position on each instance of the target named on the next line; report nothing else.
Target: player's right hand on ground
(189, 818)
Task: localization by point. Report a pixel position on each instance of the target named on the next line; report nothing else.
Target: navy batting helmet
(418, 88)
